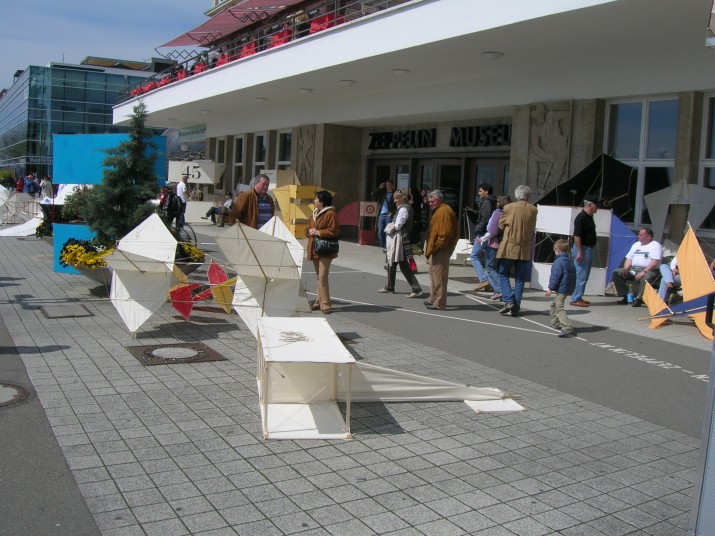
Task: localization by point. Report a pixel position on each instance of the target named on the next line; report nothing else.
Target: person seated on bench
(222, 211)
(669, 281)
(641, 264)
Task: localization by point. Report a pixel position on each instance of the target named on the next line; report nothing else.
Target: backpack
(172, 204)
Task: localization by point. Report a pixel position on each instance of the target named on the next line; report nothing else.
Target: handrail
(275, 33)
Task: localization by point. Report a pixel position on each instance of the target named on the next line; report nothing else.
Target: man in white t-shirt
(641, 265)
(182, 192)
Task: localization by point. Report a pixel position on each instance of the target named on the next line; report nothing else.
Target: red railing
(280, 31)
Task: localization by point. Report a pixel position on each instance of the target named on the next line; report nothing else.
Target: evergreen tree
(120, 203)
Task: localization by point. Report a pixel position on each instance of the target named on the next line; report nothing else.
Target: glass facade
(56, 100)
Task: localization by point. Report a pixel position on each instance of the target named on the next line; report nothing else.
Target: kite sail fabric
(617, 193)
(142, 271)
(697, 283)
(696, 279)
(371, 383)
(15, 207)
(268, 274)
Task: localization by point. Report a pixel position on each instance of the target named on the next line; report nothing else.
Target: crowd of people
(32, 185)
(504, 235)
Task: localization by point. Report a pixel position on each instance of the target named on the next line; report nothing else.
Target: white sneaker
(415, 294)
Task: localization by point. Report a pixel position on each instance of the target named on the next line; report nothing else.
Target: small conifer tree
(120, 203)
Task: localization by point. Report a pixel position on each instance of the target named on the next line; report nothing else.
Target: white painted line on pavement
(437, 315)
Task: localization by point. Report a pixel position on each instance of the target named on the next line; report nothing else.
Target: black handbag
(326, 246)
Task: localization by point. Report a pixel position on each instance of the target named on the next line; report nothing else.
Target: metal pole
(702, 521)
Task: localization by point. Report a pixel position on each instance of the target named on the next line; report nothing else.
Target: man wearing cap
(584, 242)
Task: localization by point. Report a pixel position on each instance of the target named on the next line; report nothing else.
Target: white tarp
(23, 229)
(143, 266)
(268, 275)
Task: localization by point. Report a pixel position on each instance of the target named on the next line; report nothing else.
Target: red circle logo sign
(369, 209)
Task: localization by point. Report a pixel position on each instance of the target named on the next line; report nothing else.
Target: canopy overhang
(230, 21)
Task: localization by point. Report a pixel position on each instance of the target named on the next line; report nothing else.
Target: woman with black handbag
(323, 232)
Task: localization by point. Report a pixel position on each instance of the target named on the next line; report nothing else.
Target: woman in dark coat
(323, 224)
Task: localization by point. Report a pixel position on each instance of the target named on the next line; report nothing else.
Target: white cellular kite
(143, 270)
(304, 370)
(268, 274)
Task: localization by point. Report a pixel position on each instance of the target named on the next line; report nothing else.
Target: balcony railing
(285, 29)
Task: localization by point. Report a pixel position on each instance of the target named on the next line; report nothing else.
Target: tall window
(259, 153)
(642, 134)
(238, 160)
(707, 164)
(285, 139)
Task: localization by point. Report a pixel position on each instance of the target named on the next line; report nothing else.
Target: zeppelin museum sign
(474, 136)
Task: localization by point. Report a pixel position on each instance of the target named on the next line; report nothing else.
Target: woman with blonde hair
(323, 224)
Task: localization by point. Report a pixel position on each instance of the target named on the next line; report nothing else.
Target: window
(220, 157)
(642, 134)
(707, 164)
(238, 159)
(285, 139)
(259, 153)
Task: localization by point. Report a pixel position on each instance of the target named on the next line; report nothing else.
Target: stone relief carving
(549, 142)
(305, 158)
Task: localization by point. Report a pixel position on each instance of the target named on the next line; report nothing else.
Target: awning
(229, 21)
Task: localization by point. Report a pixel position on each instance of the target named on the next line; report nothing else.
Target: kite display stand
(301, 364)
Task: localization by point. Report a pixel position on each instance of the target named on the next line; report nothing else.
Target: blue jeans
(382, 222)
(490, 259)
(521, 269)
(476, 263)
(583, 271)
(667, 277)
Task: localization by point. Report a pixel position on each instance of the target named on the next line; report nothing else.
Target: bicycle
(185, 233)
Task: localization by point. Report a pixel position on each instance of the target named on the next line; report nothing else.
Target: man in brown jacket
(517, 222)
(442, 237)
(254, 207)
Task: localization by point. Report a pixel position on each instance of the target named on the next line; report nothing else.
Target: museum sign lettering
(406, 139)
(480, 136)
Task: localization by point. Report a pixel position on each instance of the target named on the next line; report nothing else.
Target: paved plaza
(177, 449)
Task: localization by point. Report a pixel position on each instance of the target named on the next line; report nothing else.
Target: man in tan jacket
(442, 237)
(517, 222)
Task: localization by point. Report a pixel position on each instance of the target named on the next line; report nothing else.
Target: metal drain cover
(168, 354)
(67, 310)
(11, 394)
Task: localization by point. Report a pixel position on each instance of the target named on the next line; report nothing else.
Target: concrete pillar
(687, 151)
(337, 161)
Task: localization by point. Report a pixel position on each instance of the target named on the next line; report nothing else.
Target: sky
(36, 32)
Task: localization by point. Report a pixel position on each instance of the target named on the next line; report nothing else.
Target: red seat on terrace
(199, 67)
(222, 60)
(324, 22)
(281, 38)
(249, 49)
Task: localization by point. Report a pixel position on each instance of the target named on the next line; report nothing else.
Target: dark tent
(611, 180)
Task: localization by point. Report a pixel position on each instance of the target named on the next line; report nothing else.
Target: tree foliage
(121, 202)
